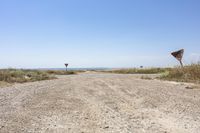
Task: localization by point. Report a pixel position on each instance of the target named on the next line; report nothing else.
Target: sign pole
(66, 66)
(181, 63)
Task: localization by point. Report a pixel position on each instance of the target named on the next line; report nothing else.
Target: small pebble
(106, 127)
(188, 87)
(2, 127)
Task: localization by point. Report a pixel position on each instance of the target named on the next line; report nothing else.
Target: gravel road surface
(99, 103)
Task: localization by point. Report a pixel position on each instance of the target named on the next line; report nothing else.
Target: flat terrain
(98, 103)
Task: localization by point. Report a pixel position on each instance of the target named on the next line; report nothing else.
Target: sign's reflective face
(178, 54)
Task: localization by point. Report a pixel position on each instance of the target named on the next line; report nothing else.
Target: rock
(2, 127)
(106, 127)
(188, 87)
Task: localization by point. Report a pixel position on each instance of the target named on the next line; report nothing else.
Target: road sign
(178, 55)
(66, 66)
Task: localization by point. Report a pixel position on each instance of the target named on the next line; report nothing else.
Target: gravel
(97, 103)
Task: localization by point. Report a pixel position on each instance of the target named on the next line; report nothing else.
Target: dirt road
(98, 103)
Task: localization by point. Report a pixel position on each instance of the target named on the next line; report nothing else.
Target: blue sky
(97, 33)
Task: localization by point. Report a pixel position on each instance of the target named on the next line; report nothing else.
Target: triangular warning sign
(178, 54)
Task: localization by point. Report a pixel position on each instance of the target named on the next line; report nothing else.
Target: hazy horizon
(98, 33)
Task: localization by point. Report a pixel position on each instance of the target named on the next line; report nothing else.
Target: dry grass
(4, 84)
(60, 72)
(146, 77)
(21, 76)
(190, 73)
(8, 76)
(139, 71)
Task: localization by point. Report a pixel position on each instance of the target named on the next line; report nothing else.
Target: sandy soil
(98, 103)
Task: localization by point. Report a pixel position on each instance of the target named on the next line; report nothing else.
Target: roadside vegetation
(22, 75)
(60, 72)
(190, 73)
(139, 71)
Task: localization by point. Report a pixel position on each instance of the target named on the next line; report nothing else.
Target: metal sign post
(178, 55)
(66, 66)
